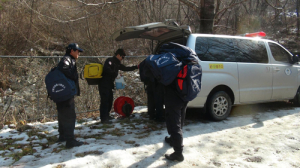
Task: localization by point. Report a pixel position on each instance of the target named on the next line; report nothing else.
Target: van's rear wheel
(296, 100)
(219, 106)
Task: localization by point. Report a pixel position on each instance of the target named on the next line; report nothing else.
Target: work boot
(169, 140)
(106, 122)
(160, 120)
(176, 156)
(72, 143)
(110, 118)
(151, 118)
(60, 139)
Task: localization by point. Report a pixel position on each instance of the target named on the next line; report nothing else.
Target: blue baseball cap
(74, 46)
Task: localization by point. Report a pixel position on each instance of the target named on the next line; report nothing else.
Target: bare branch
(225, 9)
(98, 4)
(273, 5)
(73, 20)
(190, 4)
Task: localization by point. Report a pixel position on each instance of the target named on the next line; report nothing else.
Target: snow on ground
(252, 137)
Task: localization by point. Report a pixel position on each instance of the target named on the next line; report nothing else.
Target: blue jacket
(67, 65)
(111, 69)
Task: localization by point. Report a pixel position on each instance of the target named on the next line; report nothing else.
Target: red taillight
(257, 34)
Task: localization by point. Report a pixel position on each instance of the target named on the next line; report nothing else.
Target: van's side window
(215, 49)
(252, 51)
(279, 53)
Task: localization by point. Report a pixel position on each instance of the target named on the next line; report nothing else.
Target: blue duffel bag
(59, 87)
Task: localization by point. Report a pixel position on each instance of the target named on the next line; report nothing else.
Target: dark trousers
(175, 109)
(155, 100)
(106, 102)
(66, 119)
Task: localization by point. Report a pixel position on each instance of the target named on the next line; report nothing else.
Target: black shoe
(169, 140)
(106, 122)
(151, 118)
(175, 157)
(73, 143)
(110, 118)
(160, 120)
(60, 139)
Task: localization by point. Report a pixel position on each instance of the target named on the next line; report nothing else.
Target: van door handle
(276, 69)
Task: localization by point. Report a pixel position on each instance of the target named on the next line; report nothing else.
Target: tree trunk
(297, 9)
(207, 14)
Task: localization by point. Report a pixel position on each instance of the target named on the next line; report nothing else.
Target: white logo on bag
(162, 60)
(58, 85)
(196, 85)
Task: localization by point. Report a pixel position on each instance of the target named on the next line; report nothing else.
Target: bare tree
(298, 20)
(47, 26)
(205, 9)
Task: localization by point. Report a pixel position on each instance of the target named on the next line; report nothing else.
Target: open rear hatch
(160, 31)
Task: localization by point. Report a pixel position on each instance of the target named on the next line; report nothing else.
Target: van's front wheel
(219, 106)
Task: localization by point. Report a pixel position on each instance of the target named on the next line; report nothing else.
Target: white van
(236, 70)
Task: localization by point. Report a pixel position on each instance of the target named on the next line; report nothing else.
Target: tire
(219, 106)
(296, 100)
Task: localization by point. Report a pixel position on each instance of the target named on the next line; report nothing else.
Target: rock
(254, 159)
(32, 98)
(9, 91)
(13, 126)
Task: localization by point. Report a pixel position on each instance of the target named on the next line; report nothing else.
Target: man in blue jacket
(106, 85)
(66, 109)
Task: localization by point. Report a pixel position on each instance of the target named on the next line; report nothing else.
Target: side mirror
(295, 59)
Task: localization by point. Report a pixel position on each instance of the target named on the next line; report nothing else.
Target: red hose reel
(124, 106)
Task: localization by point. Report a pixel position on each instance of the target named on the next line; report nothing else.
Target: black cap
(121, 52)
(74, 46)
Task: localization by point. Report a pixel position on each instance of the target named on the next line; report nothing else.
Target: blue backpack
(59, 87)
(188, 82)
(164, 67)
(186, 72)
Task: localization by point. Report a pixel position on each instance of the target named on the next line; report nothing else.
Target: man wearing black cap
(106, 85)
(66, 109)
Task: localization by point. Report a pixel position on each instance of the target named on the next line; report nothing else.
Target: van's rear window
(156, 32)
(215, 49)
(231, 50)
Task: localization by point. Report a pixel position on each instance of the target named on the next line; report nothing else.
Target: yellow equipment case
(93, 73)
